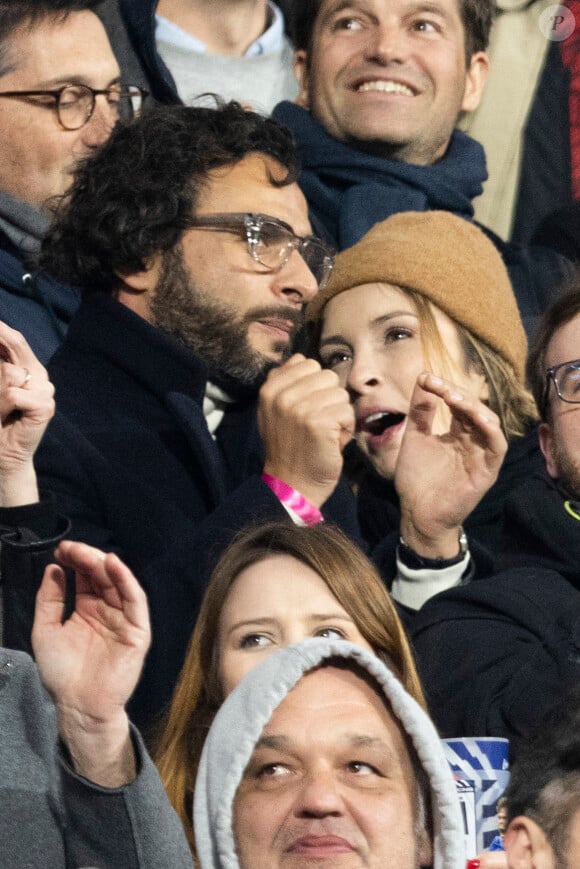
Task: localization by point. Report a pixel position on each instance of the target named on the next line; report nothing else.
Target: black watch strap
(410, 559)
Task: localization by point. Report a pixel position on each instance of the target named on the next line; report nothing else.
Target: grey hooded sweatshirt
(239, 724)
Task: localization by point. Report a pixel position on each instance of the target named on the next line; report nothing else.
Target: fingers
(470, 416)
(302, 384)
(302, 394)
(456, 398)
(305, 420)
(49, 605)
(24, 383)
(22, 390)
(106, 576)
(423, 406)
(15, 349)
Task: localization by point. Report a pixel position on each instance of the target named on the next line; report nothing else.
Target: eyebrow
(343, 5)
(427, 6)
(272, 742)
(268, 620)
(414, 6)
(351, 740)
(378, 321)
(64, 80)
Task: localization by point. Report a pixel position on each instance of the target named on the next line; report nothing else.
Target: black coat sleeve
(496, 654)
(28, 537)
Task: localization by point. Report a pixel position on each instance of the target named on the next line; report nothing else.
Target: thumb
(422, 408)
(50, 600)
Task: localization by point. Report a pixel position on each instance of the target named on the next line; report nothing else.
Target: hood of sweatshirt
(243, 716)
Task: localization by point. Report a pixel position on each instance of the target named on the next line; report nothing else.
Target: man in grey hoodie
(321, 756)
(77, 788)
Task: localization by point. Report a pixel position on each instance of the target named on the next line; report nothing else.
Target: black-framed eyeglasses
(270, 241)
(75, 103)
(566, 379)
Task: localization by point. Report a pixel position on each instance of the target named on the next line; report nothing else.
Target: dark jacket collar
(112, 331)
(139, 18)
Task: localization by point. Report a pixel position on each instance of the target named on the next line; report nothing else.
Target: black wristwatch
(410, 559)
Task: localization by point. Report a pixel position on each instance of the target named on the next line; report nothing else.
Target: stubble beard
(214, 331)
(569, 473)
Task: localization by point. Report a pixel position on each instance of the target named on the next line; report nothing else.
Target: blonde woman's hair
(508, 398)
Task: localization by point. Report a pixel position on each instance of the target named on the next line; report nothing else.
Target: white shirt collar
(270, 41)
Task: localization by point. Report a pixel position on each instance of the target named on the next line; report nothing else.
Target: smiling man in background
(382, 84)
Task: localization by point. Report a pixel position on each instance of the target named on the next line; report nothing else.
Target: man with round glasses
(183, 414)
(496, 653)
(60, 97)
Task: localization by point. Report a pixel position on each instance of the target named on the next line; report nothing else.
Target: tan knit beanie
(446, 259)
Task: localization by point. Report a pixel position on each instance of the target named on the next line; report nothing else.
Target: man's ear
(475, 79)
(546, 438)
(137, 288)
(302, 74)
(526, 845)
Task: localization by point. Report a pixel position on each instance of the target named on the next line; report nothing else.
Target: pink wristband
(300, 505)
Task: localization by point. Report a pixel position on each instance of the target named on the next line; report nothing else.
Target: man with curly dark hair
(60, 96)
(191, 240)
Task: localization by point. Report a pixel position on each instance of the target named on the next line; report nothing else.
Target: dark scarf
(22, 224)
(349, 191)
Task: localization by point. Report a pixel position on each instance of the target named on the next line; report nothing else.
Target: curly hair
(15, 14)
(138, 194)
(477, 17)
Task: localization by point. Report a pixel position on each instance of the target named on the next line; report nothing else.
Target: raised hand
(440, 478)
(305, 420)
(90, 664)
(26, 408)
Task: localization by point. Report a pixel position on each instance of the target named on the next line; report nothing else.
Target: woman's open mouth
(380, 426)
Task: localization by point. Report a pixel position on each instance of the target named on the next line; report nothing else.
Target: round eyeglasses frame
(552, 375)
(82, 97)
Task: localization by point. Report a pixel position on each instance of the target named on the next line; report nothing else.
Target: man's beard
(568, 473)
(216, 331)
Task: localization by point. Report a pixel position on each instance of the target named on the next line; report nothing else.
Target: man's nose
(320, 796)
(100, 125)
(386, 43)
(294, 281)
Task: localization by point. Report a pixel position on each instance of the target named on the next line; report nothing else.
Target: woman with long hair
(275, 585)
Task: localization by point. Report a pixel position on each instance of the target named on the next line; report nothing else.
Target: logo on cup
(481, 770)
